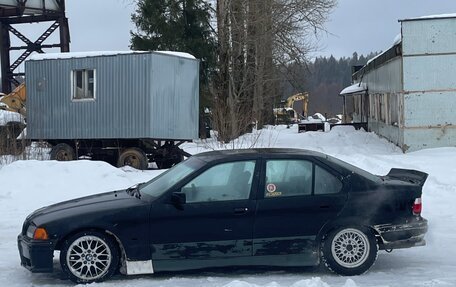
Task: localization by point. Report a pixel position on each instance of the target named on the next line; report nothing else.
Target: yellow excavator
(11, 125)
(287, 114)
(14, 101)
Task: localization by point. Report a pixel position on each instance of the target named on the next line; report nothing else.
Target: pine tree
(176, 25)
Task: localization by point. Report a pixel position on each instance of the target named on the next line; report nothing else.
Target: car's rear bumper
(395, 236)
(35, 255)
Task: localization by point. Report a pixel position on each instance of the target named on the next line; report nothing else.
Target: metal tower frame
(21, 13)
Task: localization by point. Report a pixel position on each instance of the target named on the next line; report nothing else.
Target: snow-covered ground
(28, 185)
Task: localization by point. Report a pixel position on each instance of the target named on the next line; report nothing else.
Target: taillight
(417, 206)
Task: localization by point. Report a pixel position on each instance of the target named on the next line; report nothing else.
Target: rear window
(325, 182)
(352, 168)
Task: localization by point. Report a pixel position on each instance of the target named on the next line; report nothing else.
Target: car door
(296, 198)
(215, 222)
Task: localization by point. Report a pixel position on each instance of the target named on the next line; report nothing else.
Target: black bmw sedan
(279, 207)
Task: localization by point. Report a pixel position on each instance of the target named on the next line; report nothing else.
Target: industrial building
(407, 94)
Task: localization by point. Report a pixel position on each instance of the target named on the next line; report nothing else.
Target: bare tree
(255, 38)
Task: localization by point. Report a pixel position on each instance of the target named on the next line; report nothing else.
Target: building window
(83, 84)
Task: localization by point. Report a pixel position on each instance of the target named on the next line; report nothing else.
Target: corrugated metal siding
(171, 81)
(125, 106)
(386, 79)
(392, 133)
(431, 36)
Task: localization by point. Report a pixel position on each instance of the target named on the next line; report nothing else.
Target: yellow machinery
(304, 97)
(15, 101)
(9, 132)
(288, 114)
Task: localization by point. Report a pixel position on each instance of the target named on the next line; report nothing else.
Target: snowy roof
(354, 89)
(70, 55)
(428, 17)
(179, 54)
(397, 40)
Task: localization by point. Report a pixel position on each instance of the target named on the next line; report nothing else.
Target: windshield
(163, 182)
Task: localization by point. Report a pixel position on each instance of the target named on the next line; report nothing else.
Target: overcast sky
(355, 25)
(371, 25)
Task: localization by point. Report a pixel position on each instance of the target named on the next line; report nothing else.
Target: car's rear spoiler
(409, 175)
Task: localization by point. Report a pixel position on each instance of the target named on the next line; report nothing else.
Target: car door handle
(325, 206)
(241, 210)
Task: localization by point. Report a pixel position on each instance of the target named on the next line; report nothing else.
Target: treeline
(323, 78)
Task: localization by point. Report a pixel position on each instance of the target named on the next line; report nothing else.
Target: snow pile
(7, 116)
(28, 185)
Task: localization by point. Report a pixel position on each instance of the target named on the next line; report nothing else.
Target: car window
(158, 185)
(288, 178)
(352, 168)
(226, 181)
(325, 182)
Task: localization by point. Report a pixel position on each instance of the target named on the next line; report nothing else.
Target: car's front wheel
(349, 250)
(89, 256)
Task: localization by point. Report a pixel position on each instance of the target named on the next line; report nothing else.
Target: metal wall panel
(416, 139)
(433, 72)
(172, 80)
(123, 107)
(386, 79)
(430, 109)
(390, 132)
(430, 36)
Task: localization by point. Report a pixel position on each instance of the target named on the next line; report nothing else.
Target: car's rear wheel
(89, 257)
(349, 250)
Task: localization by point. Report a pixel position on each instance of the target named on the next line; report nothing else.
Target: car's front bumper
(395, 236)
(35, 255)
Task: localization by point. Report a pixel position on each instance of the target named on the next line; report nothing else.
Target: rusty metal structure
(14, 12)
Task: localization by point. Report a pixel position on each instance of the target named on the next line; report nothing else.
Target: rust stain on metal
(441, 127)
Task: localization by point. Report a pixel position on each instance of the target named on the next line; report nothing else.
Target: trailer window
(83, 84)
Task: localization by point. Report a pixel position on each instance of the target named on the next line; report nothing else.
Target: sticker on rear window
(271, 187)
(272, 190)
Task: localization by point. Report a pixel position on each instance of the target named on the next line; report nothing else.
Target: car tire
(89, 256)
(62, 152)
(349, 250)
(133, 157)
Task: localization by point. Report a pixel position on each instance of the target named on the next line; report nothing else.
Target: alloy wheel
(350, 248)
(88, 257)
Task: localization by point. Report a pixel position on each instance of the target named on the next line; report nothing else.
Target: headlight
(37, 233)
(30, 231)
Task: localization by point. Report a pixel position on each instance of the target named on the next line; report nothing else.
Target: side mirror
(178, 199)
